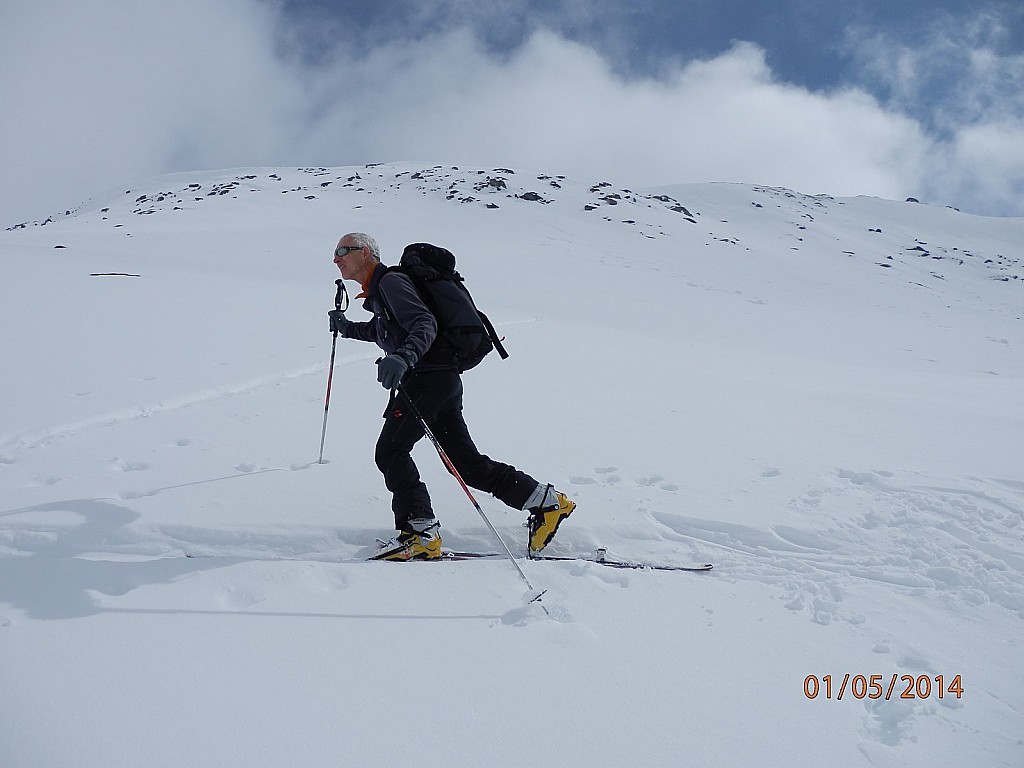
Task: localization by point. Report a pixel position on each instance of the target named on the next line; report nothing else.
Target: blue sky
(805, 40)
(857, 97)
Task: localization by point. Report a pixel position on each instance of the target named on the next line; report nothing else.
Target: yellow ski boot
(547, 516)
(421, 541)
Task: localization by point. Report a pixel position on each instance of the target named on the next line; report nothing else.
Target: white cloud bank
(100, 94)
(968, 87)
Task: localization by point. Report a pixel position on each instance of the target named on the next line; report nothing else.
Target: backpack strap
(491, 333)
(498, 347)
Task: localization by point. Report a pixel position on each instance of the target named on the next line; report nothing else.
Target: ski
(633, 565)
(600, 558)
(448, 556)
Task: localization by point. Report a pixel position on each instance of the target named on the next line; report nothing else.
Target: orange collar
(366, 282)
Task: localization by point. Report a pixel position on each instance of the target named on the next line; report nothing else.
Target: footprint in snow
(658, 481)
(890, 721)
(240, 599)
(608, 472)
(130, 466)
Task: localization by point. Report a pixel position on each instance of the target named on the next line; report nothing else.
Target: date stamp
(888, 687)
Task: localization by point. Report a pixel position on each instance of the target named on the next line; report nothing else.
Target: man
(405, 329)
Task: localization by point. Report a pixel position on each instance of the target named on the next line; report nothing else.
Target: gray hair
(365, 241)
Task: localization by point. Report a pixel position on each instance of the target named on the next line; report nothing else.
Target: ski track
(940, 535)
(57, 432)
(46, 436)
(942, 557)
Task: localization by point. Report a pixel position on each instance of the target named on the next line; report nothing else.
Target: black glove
(338, 321)
(392, 368)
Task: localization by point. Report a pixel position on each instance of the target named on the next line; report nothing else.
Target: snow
(821, 396)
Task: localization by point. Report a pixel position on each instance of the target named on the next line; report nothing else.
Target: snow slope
(821, 396)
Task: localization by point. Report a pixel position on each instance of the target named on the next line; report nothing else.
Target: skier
(405, 328)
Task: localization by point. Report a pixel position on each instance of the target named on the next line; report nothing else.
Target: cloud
(98, 94)
(109, 93)
(964, 82)
(982, 162)
(557, 106)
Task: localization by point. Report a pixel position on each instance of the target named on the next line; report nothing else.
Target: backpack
(464, 334)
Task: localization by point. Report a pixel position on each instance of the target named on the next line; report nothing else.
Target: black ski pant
(438, 398)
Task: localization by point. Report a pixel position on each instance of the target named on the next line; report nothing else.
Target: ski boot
(419, 540)
(546, 516)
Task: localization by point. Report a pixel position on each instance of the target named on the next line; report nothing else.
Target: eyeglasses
(345, 250)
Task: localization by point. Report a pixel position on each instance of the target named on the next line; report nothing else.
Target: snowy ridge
(819, 395)
(790, 216)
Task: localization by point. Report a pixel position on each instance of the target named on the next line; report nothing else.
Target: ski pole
(341, 292)
(451, 468)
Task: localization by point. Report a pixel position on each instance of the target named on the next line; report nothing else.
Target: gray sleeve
(409, 311)
(362, 331)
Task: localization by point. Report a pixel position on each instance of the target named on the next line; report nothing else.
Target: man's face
(352, 261)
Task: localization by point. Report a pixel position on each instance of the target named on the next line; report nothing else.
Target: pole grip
(341, 292)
